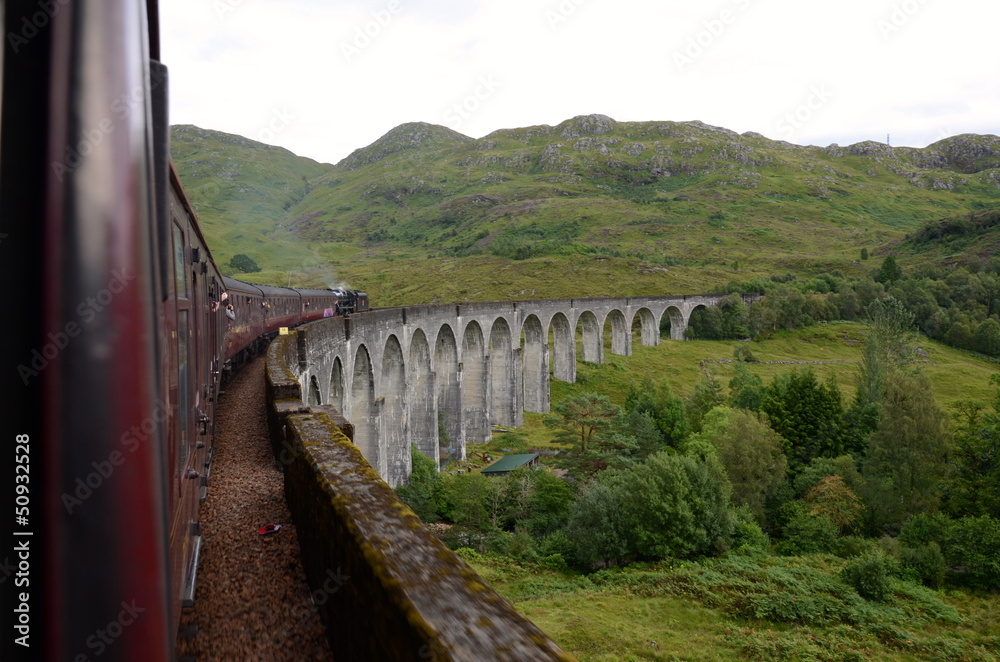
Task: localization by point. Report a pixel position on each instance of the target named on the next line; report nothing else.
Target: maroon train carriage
(317, 304)
(122, 336)
(243, 314)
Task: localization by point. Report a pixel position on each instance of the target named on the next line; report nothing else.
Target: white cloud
(348, 72)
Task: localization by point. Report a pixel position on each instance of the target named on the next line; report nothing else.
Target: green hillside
(241, 191)
(625, 207)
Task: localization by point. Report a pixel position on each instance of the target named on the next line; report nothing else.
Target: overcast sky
(324, 77)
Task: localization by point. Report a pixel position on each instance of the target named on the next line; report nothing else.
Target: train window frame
(180, 264)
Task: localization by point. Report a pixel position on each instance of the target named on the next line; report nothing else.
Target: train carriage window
(183, 401)
(179, 271)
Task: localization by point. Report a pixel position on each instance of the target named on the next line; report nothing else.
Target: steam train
(121, 329)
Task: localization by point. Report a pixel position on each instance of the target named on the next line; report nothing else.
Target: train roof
(255, 288)
(273, 291)
(316, 293)
(240, 286)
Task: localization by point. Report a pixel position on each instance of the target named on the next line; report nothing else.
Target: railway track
(252, 600)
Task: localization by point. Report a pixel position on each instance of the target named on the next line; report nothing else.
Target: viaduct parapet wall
(439, 376)
(386, 588)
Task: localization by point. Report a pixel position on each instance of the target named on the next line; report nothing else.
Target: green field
(703, 610)
(697, 610)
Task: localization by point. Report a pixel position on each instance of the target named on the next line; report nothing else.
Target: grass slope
(622, 206)
(828, 349)
(763, 608)
(735, 607)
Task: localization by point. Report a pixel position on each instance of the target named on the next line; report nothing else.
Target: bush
(748, 537)
(554, 562)
(808, 534)
(668, 506)
(870, 575)
(972, 547)
(924, 564)
(556, 543)
(851, 546)
(242, 263)
(743, 354)
(922, 529)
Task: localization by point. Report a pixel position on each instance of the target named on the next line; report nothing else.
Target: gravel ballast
(252, 601)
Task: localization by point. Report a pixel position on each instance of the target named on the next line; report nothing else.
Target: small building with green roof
(508, 463)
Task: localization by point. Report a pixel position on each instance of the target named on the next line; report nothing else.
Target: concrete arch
(392, 413)
(536, 366)
(505, 377)
(650, 334)
(422, 404)
(364, 412)
(563, 349)
(315, 398)
(621, 338)
(449, 393)
(337, 385)
(475, 418)
(677, 322)
(487, 362)
(691, 313)
(590, 331)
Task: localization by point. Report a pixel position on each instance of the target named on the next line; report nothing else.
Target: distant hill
(242, 190)
(609, 206)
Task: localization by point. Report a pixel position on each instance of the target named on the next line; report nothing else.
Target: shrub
(668, 506)
(973, 547)
(870, 575)
(924, 564)
(922, 529)
(851, 546)
(748, 537)
(242, 263)
(556, 543)
(808, 534)
(554, 562)
(743, 354)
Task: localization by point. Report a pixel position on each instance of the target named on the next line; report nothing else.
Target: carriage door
(184, 533)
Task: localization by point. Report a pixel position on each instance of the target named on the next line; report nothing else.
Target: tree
(887, 347)
(549, 504)
(751, 453)
(889, 272)
(706, 395)
(666, 409)
(833, 498)
(582, 419)
(864, 253)
(807, 414)
(746, 389)
(987, 337)
(420, 491)
(906, 457)
(726, 321)
(974, 488)
(669, 506)
(241, 263)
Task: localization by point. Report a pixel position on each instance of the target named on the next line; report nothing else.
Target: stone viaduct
(439, 376)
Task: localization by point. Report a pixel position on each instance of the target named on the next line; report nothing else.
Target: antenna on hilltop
(887, 140)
